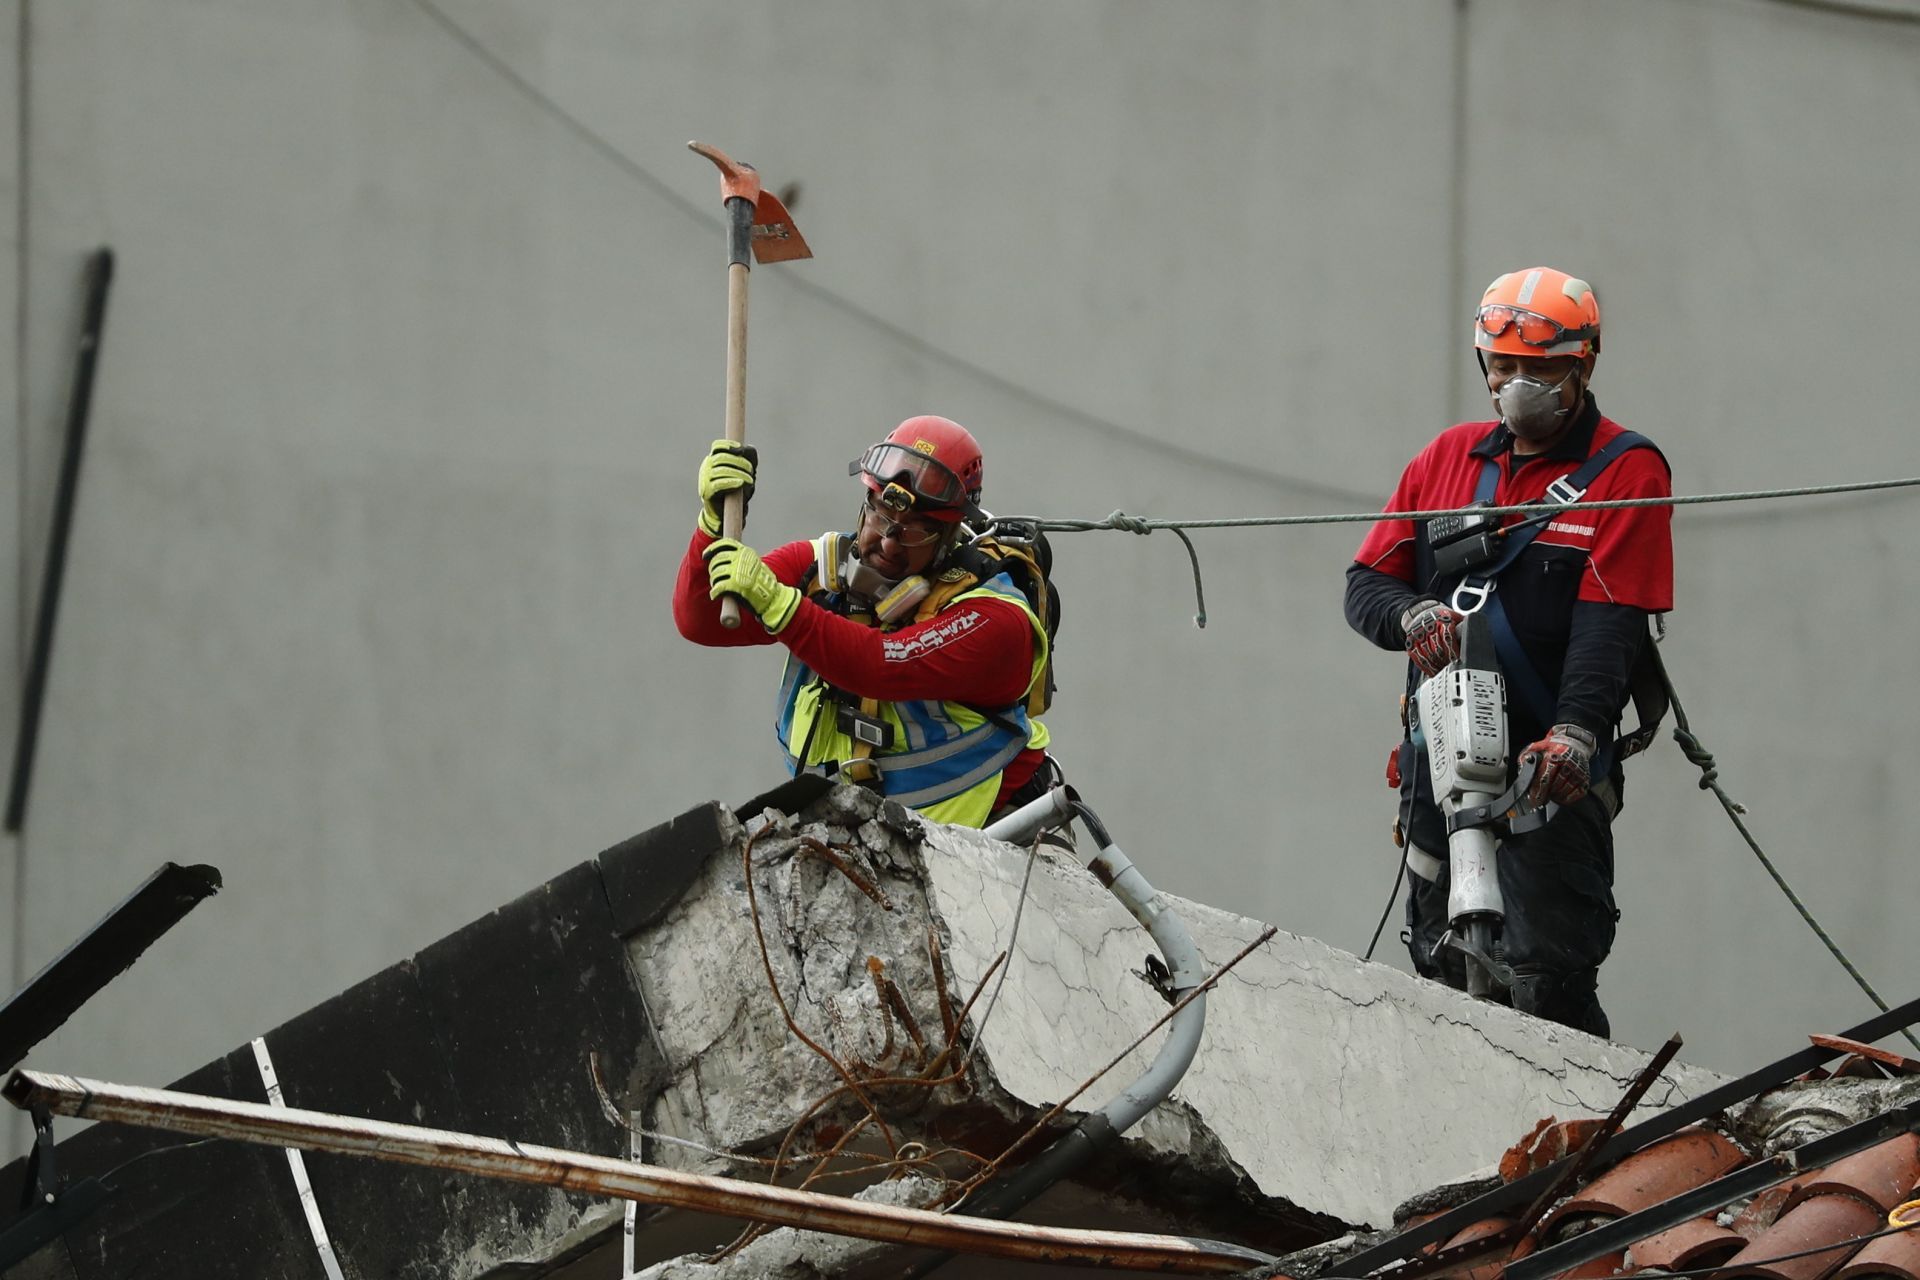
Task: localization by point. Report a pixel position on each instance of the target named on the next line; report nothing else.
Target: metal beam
(604, 1175)
(99, 955)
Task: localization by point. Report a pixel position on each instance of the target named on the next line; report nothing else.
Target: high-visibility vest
(945, 758)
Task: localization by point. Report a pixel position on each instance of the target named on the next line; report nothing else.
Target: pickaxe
(758, 227)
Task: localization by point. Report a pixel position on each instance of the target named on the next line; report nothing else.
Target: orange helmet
(1538, 312)
(928, 465)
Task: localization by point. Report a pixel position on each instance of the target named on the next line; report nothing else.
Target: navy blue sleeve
(1601, 651)
(1374, 603)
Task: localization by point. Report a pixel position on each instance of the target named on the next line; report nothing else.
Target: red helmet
(929, 465)
(1538, 312)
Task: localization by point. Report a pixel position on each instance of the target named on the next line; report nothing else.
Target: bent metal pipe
(576, 1171)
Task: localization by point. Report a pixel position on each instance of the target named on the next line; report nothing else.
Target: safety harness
(970, 567)
(1476, 593)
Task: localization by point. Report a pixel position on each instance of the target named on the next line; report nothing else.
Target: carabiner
(1475, 589)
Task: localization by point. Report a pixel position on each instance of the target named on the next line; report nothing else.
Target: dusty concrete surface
(1325, 1091)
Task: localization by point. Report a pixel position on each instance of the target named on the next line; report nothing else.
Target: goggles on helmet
(888, 517)
(928, 481)
(1532, 328)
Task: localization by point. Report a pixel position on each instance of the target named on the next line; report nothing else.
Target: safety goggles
(1532, 328)
(911, 532)
(928, 481)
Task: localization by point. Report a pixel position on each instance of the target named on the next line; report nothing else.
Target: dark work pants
(1557, 884)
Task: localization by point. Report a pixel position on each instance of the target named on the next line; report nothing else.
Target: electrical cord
(1393, 895)
(132, 1160)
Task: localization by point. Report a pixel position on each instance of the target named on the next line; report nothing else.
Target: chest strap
(1476, 592)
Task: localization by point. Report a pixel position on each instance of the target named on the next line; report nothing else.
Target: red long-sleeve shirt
(978, 652)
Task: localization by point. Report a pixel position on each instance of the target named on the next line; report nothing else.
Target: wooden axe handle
(733, 510)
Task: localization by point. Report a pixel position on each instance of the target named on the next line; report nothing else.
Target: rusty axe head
(775, 238)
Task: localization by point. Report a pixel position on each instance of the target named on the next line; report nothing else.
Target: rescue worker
(906, 671)
(1570, 619)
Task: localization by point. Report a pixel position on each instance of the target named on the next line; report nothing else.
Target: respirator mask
(841, 570)
(1531, 408)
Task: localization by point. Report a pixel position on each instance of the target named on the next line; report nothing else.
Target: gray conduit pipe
(1100, 1130)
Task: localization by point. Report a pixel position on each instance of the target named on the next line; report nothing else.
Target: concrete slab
(1326, 1089)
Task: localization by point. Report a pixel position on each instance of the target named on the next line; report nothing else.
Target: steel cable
(1701, 758)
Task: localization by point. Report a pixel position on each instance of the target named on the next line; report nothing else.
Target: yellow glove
(727, 468)
(733, 568)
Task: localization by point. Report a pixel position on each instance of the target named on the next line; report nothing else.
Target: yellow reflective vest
(944, 759)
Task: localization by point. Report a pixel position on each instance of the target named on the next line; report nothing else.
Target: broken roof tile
(1760, 1212)
(1701, 1242)
(1601, 1268)
(1688, 1159)
(1495, 1263)
(1882, 1176)
(1549, 1141)
(1896, 1063)
(1837, 1220)
(1895, 1255)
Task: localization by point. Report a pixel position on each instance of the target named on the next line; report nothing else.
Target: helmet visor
(1530, 327)
(928, 481)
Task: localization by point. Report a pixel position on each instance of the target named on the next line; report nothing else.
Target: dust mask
(1531, 408)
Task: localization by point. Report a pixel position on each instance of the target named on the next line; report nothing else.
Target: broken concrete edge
(713, 1005)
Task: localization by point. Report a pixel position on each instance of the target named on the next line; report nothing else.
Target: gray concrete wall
(407, 373)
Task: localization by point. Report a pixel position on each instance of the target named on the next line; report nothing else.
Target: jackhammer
(1462, 713)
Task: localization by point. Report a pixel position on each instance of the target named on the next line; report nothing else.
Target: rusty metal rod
(605, 1175)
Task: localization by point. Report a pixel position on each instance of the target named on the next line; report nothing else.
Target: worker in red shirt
(1571, 620)
(911, 661)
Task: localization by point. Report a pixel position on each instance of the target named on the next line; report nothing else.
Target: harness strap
(1514, 662)
(863, 769)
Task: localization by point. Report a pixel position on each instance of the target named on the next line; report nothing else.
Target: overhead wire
(1122, 522)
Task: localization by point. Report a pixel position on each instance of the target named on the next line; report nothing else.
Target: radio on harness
(1465, 541)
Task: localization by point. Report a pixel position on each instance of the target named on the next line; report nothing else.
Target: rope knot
(1130, 524)
(1698, 756)
(1709, 771)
